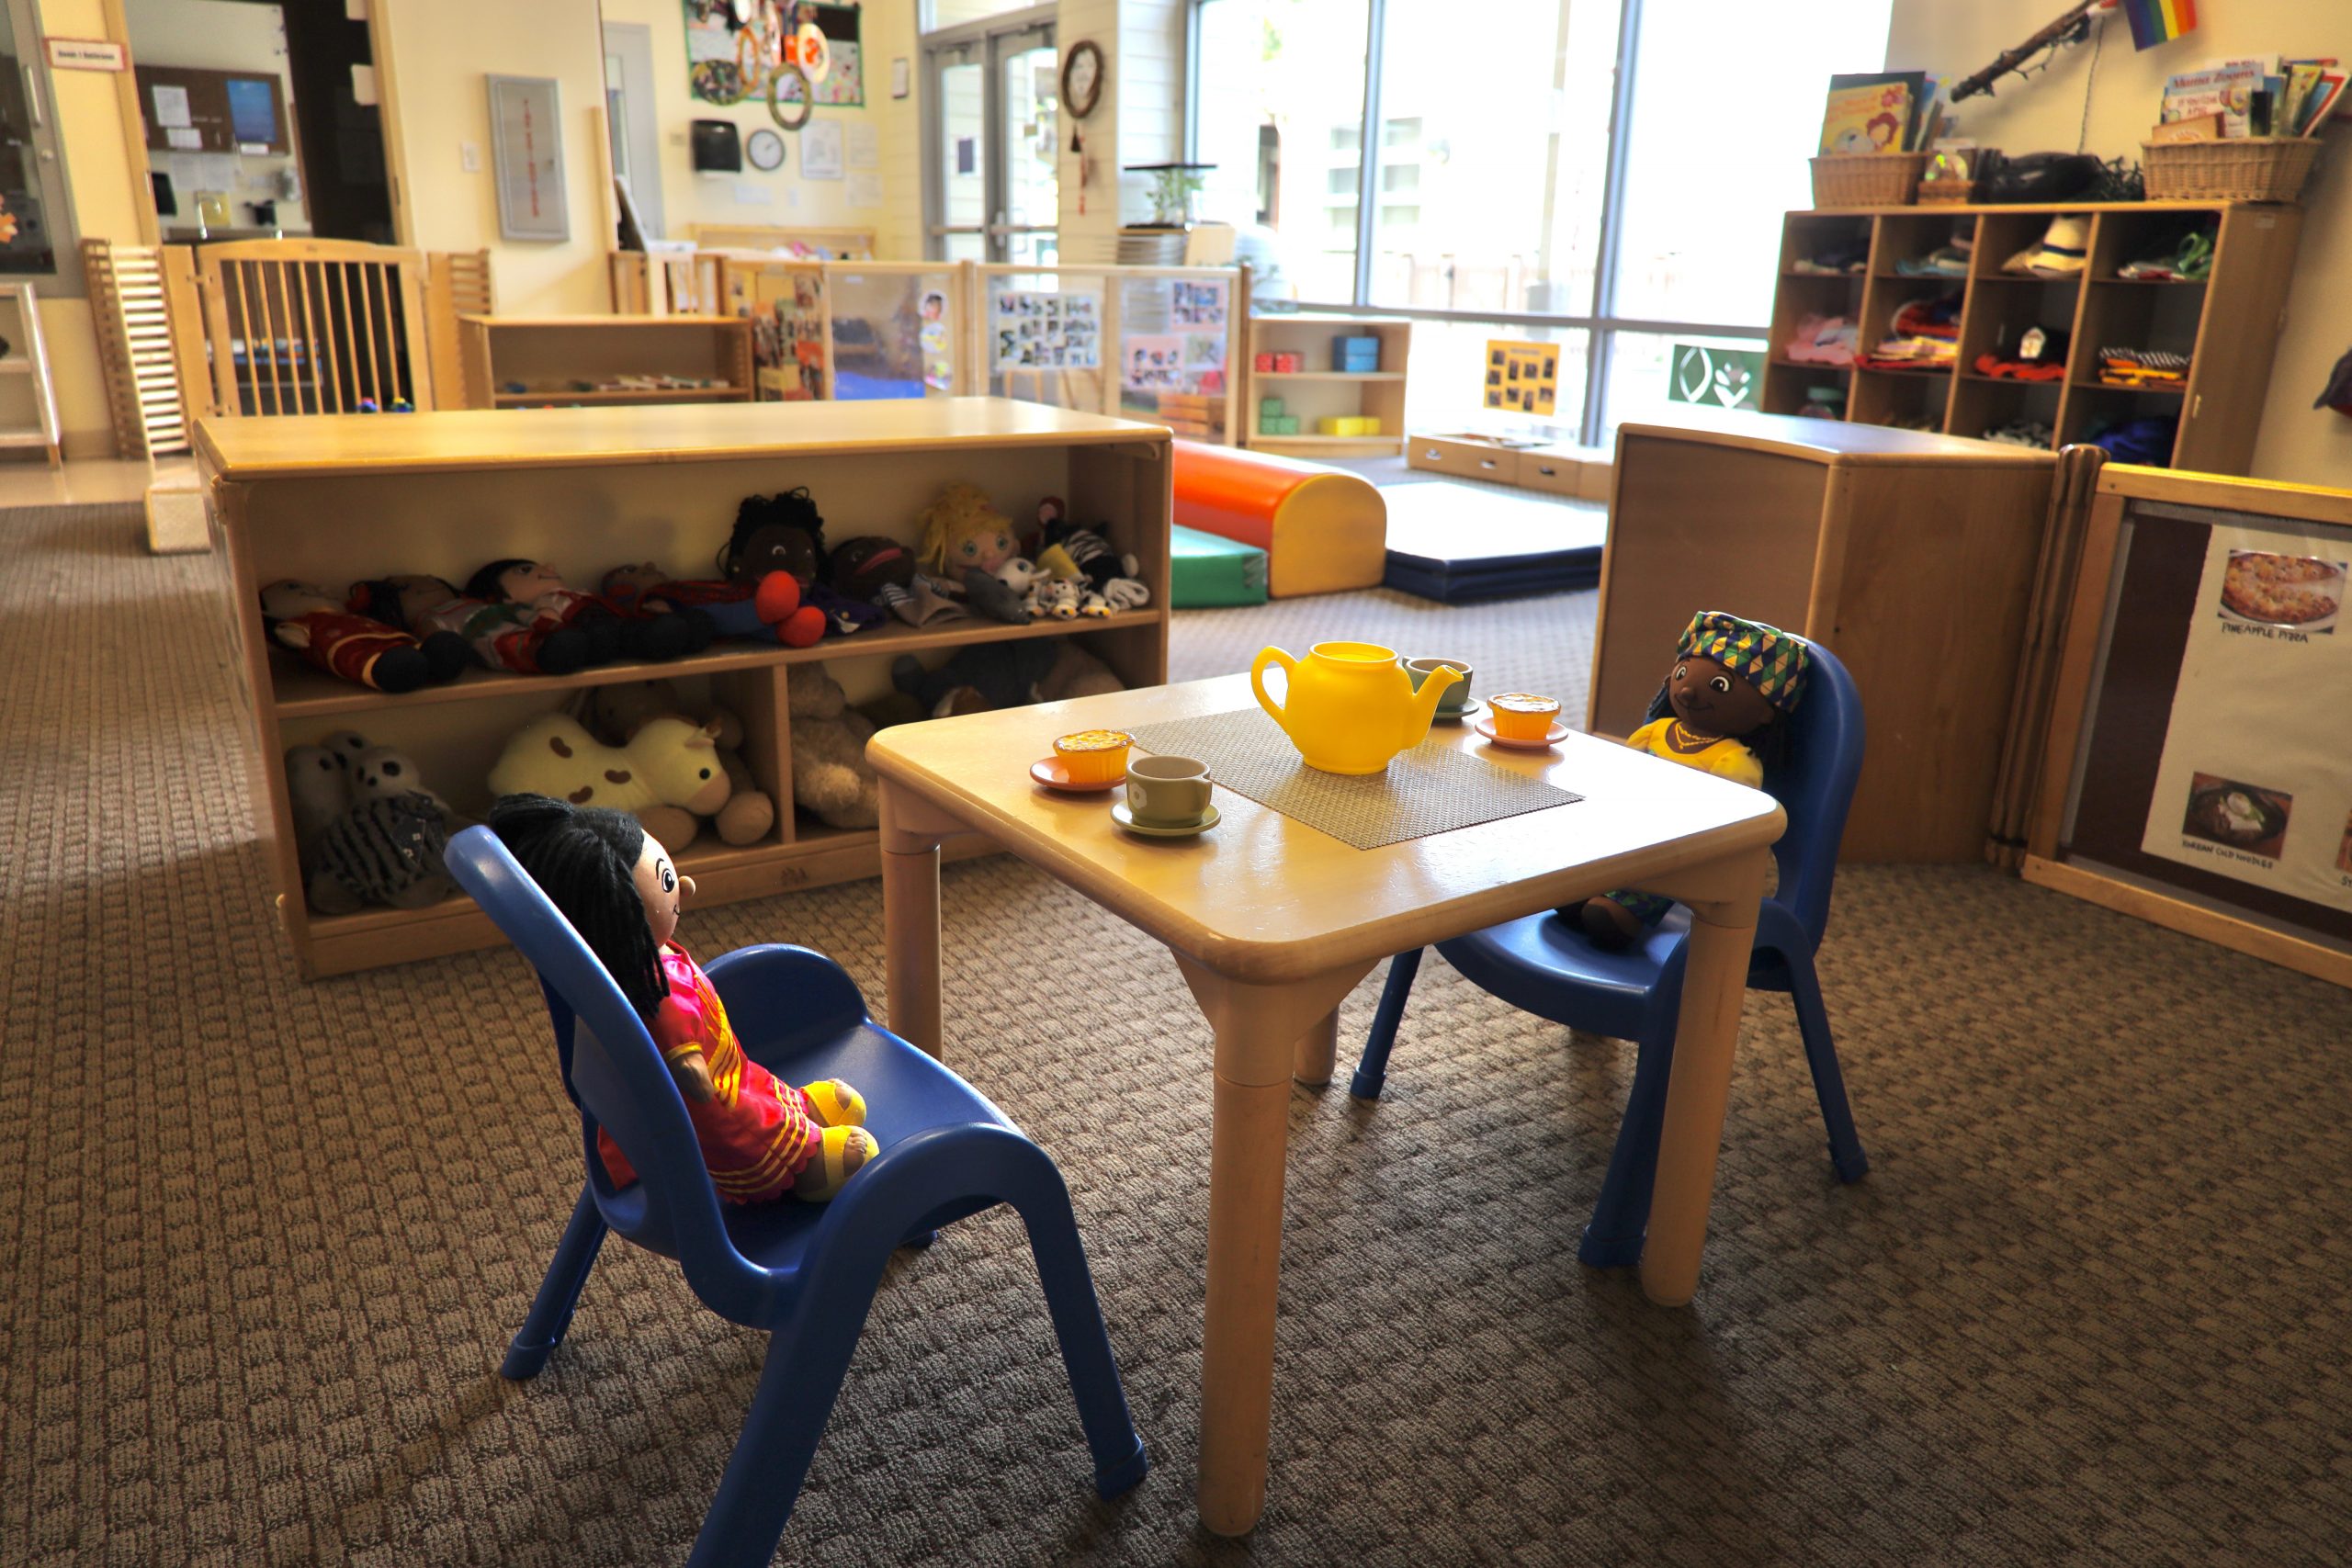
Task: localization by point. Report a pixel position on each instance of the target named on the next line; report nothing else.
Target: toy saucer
(1054, 774)
(1470, 709)
(1560, 732)
(1125, 819)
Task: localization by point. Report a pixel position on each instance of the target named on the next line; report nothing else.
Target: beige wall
(2298, 442)
(886, 32)
(98, 175)
(1140, 118)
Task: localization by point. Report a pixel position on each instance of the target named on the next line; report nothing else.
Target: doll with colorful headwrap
(761, 1138)
(1724, 707)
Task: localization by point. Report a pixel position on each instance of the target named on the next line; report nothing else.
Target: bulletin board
(723, 67)
(192, 111)
(2198, 771)
(1523, 377)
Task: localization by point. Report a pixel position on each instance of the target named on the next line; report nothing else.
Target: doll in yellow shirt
(1723, 709)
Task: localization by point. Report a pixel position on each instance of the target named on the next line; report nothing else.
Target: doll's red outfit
(756, 1132)
(347, 646)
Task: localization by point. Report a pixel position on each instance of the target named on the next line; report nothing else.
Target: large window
(1546, 170)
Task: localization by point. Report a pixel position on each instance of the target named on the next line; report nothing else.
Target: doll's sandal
(836, 1160)
(832, 1104)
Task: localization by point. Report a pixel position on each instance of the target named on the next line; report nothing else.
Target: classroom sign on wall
(1523, 377)
(1719, 377)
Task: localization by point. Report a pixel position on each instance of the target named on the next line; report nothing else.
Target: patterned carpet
(262, 1243)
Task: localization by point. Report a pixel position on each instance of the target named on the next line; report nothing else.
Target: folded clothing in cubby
(2148, 440)
(2188, 259)
(1950, 260)
(2152, 368)
(1822, 339)
(2023, 432)
(1924, 335)
(1835, 258)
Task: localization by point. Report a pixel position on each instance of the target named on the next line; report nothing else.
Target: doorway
(629, 114)
(261, 120)
(991, 160)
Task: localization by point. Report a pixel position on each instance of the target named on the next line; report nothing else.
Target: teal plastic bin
(1208, 569)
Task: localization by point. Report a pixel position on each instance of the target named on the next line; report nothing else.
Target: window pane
(1701, 229)
(1490, 178)
(1281, 88)
(1446, 389)
(1032, 139)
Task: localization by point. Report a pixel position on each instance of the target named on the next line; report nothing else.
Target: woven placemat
(1431, 788)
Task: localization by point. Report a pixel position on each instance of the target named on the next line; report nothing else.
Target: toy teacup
(1168, 792)
(1093, 756)
(1523, 715)
(1455, 697)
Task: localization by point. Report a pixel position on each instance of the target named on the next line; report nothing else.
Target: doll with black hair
(554, 605)
(787, 533)
(1724, 707)
(761, 1138)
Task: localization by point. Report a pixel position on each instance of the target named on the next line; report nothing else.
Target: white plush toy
(670, 761)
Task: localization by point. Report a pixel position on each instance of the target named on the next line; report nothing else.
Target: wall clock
(1082, 78)
(765, 149)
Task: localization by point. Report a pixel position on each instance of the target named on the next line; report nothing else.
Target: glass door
(994, 161)
(36, 231)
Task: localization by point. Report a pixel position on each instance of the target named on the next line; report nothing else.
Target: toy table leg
(1723, 899)
(1317, 1051)
(910, 835)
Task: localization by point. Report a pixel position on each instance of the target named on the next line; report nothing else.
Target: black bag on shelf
(2037, 178)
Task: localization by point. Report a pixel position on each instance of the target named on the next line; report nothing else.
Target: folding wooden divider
(317, 326)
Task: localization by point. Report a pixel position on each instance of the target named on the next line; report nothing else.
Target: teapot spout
(1423, 707)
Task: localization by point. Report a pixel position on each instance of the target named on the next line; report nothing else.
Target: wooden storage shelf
(2228, 322)
(1316, 391)
(335, 499)
(546, 353)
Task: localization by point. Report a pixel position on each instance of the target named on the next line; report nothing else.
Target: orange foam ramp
(1323, 529)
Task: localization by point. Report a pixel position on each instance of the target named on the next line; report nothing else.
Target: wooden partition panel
(316, 326)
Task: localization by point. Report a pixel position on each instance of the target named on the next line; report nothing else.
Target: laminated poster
(2254, 782)
(1033, 330)
(1153, 362)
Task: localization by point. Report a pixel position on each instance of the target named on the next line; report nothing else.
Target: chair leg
(1371, 1072)
(550, 1315)
(1120, 1460)
(1821, 1054)
(1613, 1237)
(795, 1399)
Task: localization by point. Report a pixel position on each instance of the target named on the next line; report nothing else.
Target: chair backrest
(1815, 787)
(617, 1077)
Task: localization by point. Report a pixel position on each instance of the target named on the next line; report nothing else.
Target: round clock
(765, 149)
(1082, 78)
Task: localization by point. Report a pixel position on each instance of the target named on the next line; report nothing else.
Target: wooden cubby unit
(1315, 391)
(338, 498)
(2228, 323)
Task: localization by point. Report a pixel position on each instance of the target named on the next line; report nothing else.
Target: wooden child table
(1272, 923)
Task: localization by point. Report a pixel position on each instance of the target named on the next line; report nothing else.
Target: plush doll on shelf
(831, 779)
(964, 539)
(366, 829)
(617, 714)
(785, 533)
(990, 676)
(540, 590)
(502, 636)
(765, 609)
(671, 762)
(881, 573)
(1117, 579)
(1723, 709)
(761, 1138)
(315, 624)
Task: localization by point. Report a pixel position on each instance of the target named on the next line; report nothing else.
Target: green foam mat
(1207, 570)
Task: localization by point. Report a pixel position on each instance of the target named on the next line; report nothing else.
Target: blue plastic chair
(1545, 964)
(806, 1272)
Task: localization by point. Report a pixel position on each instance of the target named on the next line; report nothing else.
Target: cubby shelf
(333, 499)
(2227, 322)
(558, 398)
(1314, 391)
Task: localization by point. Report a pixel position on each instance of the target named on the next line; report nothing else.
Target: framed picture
(526, 155)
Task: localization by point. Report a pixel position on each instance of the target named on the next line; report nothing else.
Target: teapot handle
(1258, 682)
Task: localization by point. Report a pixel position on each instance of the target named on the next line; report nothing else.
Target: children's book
(2204, 127)
(1871, 112)
(2322, 101)
(2226, 90)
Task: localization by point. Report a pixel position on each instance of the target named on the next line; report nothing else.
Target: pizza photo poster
(2254, 782)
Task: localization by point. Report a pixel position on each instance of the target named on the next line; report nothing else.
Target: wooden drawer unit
(1555, 472)
(1470, 459)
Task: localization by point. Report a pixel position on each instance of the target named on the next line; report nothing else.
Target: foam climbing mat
(1207, 570)
(1460, 543)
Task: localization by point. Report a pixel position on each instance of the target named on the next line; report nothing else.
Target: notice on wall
(171, 104)
(1523, 377)
(820, 150)
(1035, 330)
(2253, 782)
(864, 144)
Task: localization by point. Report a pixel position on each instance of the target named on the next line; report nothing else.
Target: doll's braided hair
(584, 860)
(1769, 743)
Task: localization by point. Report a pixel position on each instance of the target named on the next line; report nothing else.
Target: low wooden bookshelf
(333, 499)
(1316, 390)
(2228, 322)
(574, 361)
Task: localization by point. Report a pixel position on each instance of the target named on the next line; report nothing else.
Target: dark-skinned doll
(1724, 707)
(761, 1138)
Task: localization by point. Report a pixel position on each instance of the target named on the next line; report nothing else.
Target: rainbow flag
(2158, 21)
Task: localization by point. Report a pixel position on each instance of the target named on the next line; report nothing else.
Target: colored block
(1264, 361)
(1269, 408)
(1323, 529)
(1206, 569)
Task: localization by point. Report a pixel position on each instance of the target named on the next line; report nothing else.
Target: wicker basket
(1946, 190)
(1867, 179)
(2243, 168)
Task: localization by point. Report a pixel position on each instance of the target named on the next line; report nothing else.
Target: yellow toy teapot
(1349, 706)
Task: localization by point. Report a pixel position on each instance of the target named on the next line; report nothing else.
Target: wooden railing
(314, 326)
(132, 290)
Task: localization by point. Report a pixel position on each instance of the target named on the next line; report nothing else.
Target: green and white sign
(1719, 377)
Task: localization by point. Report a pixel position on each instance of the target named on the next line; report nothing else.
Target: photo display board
(2214, 757)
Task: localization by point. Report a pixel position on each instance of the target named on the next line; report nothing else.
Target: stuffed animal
(541, 588)
(785, 533)
(765, 609)
(368, 830)
(761, 1138)
(831, 777)
(615, 714)
(992, 675)
(502, 635)
(1721, 708)
(312, 621)
(964, 539)
(670, 761)
(1117, 578)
